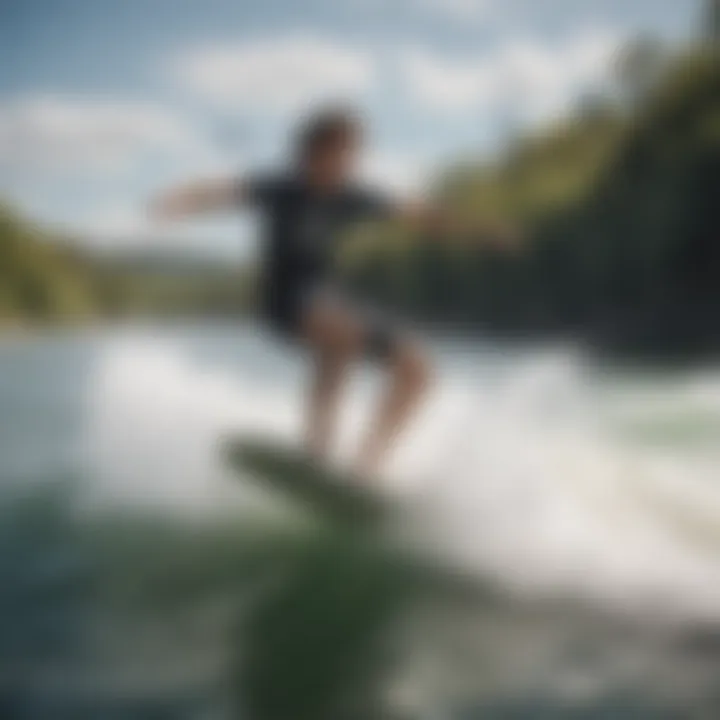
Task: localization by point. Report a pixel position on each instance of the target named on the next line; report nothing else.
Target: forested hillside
(39, 280)
(44, 279)
(619, 206)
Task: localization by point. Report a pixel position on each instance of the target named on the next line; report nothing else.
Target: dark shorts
(284, 312)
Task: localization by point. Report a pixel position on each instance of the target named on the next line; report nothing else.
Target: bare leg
(408, 382)
(336, 340)
(330, 372)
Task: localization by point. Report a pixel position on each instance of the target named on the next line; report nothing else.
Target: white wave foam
(515, 470)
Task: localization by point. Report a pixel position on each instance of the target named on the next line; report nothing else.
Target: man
(305, 211)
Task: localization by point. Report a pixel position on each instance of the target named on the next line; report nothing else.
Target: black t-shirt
(301, 228)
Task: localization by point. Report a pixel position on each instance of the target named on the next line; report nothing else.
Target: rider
(305, 210)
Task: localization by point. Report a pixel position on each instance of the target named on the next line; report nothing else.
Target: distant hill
(39, 280)
(48, 279)
(169, 261)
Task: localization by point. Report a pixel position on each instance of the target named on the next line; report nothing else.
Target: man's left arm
(445, 224)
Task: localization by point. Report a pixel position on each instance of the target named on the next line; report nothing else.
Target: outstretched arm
(444, 223)
(197, 198)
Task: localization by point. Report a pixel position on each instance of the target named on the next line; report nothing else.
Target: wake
(518, 472)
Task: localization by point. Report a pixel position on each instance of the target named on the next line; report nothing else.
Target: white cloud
(456, 12)
(118, 227)
(275, 75)
(461, 11)
(397, 173)
(533, 79)
(444, 85)
(76, 135)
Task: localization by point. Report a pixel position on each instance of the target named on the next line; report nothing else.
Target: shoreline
(601, 353)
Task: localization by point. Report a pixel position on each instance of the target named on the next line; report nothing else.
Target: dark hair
(324, 128)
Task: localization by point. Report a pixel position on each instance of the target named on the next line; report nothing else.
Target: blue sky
(104, 101)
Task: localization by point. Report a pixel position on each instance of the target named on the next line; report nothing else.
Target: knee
(414, 368)
(346, 345)
(337, 355)
(338, 342)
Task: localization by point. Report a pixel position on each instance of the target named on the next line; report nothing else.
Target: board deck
(335, 494)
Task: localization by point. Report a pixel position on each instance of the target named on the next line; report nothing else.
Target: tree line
(50, 279)
(619, 209)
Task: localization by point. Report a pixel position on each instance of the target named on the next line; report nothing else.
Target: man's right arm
(198, 198)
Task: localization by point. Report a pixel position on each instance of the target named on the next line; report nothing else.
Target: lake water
(558, 479)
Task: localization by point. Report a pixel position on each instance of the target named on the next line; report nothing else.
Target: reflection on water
(589, 501)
